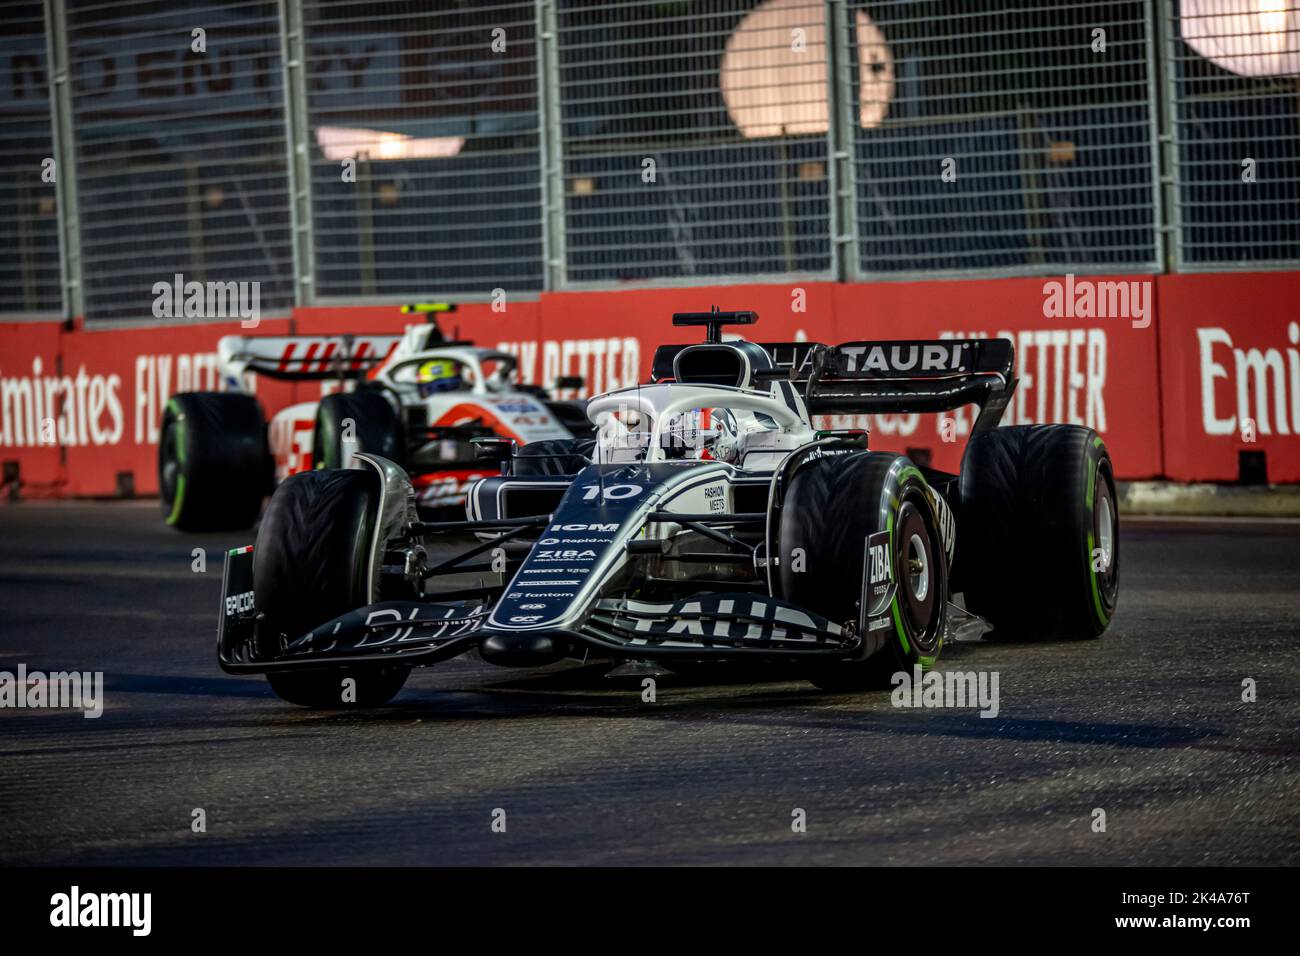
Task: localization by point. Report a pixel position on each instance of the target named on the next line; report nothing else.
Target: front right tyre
(312, 562)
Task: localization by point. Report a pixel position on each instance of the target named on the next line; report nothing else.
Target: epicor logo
(239, 603)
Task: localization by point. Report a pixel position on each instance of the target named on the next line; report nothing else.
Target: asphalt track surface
(1146, 724)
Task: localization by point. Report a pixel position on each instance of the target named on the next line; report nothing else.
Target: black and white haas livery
(708, 520)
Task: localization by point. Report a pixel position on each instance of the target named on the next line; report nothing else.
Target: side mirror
(493, 449)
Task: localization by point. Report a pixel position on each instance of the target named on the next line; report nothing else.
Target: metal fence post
(1159, 219)
(297, 144)
(65, 164)
(1166, 201)
(550, 135)
(840, 146)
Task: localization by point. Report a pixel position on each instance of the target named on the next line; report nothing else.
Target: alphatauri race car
(416, 399)
(708, 520)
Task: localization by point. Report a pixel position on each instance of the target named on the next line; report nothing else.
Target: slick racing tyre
(214, 465)
(356, 421)
(554, 456)
(311, 563)
(832, 506)
(1038, 533)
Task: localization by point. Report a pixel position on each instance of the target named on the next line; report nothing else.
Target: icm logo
(584, 527)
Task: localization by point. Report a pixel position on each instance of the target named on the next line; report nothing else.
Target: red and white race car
(415, 398)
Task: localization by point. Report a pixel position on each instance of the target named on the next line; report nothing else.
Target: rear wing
(914, 375)
(304, 357)
(317, 357)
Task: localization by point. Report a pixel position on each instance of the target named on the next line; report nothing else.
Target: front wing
(707, 627)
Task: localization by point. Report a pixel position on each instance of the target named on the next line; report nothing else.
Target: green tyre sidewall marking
(891, 501)
(178, 421)
(1094, 475)
(327, 440)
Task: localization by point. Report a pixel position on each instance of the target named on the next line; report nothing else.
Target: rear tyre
(214, 465)
(832, 506)
(349, 422)
(1038, 534)
(312, 562)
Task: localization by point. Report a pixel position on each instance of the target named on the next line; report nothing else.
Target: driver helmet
(682, 437)
(438, 375)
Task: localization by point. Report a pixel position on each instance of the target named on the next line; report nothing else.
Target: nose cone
(520, 650)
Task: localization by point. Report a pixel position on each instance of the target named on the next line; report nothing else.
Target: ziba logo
(879, 566)
(549, 555)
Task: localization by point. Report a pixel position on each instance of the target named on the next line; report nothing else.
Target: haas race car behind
(417, 400)
(708, 520)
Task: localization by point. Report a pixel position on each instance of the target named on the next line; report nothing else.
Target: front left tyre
(312, 562)
(214, 464)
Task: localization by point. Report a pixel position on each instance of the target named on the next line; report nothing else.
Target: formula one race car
(707, 521)
(419, 400)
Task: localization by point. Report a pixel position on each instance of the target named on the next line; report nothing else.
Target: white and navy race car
(417, 399)
(708, 520)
